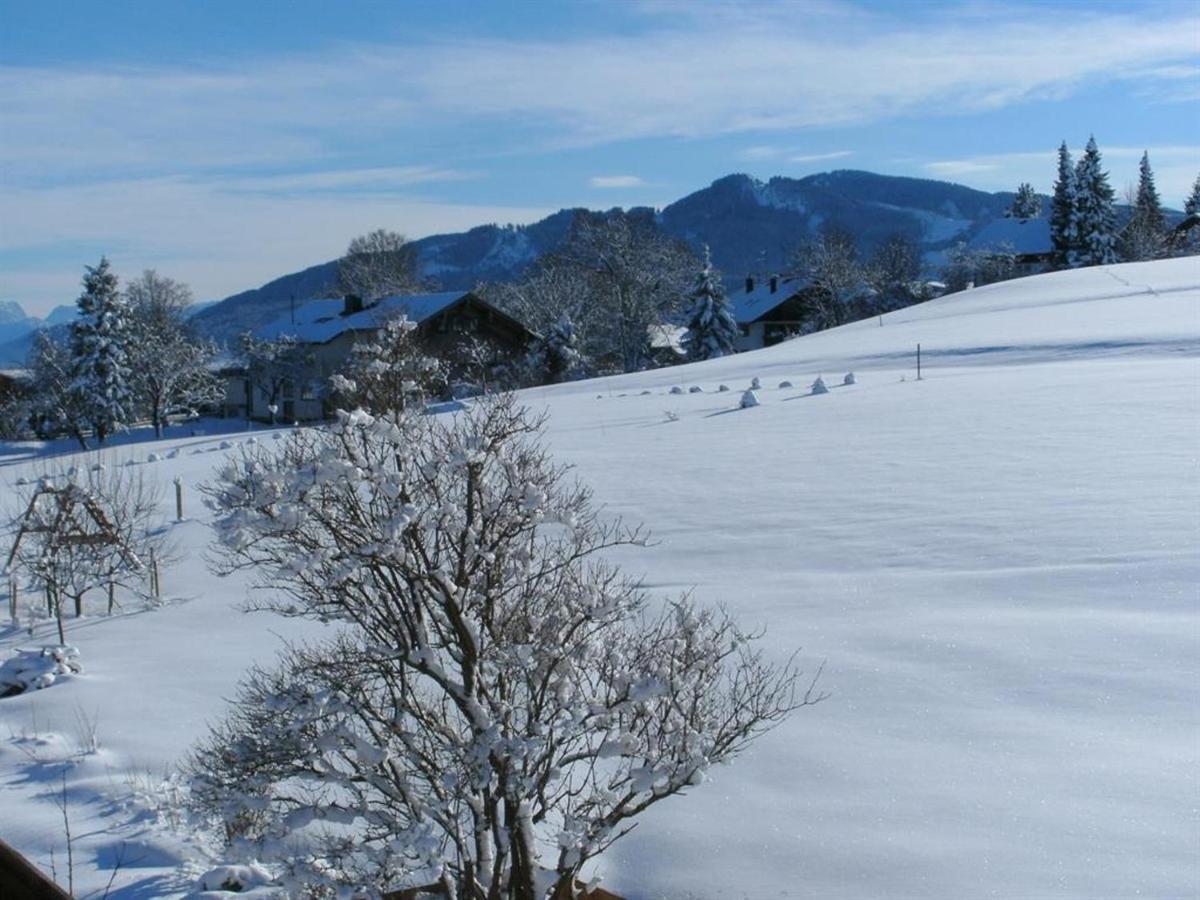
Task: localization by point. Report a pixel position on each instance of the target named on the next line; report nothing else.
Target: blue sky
(228, 143)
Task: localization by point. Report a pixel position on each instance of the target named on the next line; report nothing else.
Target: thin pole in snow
(178, 499)
(918, 362)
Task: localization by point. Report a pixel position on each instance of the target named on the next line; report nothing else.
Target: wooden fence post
(918, 362)
(178, 499)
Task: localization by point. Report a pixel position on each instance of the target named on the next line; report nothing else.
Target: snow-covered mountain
(997, 565)
(750, 225)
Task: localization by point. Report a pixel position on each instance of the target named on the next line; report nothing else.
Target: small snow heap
(32, 670)
(818, 386)
(695, 389)
(724, 388)
(235, 879)
(849, 379)
(676, 390)
(755, 383)
(749, 399)
(784, 384)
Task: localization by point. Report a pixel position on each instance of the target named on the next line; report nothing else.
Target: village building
(1028, 240)
(449, 325)
(770, 310)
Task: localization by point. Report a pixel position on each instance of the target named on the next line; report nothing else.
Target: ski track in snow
(998, 566)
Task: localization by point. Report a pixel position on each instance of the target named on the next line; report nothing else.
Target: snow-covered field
(999, 565)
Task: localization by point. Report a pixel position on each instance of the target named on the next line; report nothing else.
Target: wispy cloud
(1175, 168)
(782, 72)
(820, 157)
(616, 181)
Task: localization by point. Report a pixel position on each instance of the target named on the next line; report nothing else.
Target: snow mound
(818, 386)
(235, 879)
(849, 379)
(783, 385)
(749, 399)
(32, 670)
(676, 390)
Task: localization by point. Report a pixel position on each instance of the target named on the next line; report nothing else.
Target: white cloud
(616, 181)
(820, 157)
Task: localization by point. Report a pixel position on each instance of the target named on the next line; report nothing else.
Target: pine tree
(1095, 218)
(711, 329)
(555, 358)
(1062, 209)
(1026, 204)
(1145, 235)
(99, 354)
(1192, 205)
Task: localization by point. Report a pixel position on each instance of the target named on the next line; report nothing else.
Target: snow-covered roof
(750, 306)
(320, 321)
(1024, 236)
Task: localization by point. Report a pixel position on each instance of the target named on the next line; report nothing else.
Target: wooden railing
(21, 880)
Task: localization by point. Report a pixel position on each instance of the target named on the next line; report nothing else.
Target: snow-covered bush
(500, 703)
(32, 670)
(695, 389)
(819, 387)
(676, 389)
(849, 379)
(784, 385)
(749, 399)
(390, 372)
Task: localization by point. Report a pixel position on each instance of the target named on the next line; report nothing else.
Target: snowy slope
(997, 564)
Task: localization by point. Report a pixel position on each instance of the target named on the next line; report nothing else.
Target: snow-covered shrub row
(501, 703)
(32, 670)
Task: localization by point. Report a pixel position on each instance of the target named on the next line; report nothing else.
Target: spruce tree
(1145, 236)
(1192, 205)
(99, 353)
(1095, 219)
(1026, 204)
(711, 329)
(1062, 209)
(555, 357)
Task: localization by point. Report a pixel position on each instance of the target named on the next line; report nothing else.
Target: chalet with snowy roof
(447, 324)
(769, 310)
(1027, 239)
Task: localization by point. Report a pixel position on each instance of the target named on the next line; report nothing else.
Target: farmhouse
(1027, 239)
(448, 324)
(770, 310)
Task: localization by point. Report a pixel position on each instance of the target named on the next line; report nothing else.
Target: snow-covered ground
(999, 565)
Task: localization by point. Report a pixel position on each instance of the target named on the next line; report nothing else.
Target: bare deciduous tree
(378, 264)
(79, 531)
(274, 365)
(830, 263)
(501, 703)
(168, 362)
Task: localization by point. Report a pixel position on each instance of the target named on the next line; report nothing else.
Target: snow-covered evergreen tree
(1192, 205)
(1062, 209)
(1095, 219)
(1145, 235)
(99, 352)
(555, 357)
(1026, 204)
(711, 328)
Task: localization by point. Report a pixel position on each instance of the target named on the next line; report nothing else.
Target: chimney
(774, 283)
(352, 304)
(749, 284)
